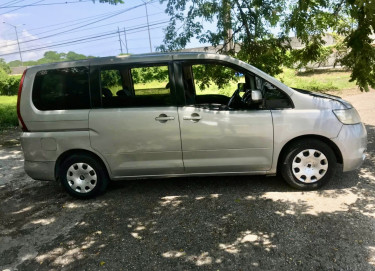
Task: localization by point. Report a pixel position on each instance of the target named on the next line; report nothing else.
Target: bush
(8, 84)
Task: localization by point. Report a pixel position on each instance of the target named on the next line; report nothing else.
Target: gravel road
(213, 223)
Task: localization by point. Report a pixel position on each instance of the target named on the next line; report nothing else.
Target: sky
(93, 26)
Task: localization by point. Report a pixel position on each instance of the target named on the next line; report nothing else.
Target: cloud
(8, 16)
(8, 44)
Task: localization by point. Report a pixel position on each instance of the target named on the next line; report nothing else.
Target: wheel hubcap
(81, 177)
(309, 166)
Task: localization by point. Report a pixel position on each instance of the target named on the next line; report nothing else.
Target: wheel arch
(68, 153)
(326, 140)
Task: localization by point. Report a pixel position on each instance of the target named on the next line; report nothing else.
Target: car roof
(149, 57)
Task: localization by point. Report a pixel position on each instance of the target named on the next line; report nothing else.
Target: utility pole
(19, 48)
(148, 28)
(126, 41)
(119, 38)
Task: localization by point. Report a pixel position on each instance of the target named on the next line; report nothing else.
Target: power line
(82, 19)
(11, 3)
(47, 4)
(19, 8)
(76, 20)
(72, 40)
(83, 40)
(95, 27)
(157, 22)
(63, 43)
(132, 30)
(69, 30)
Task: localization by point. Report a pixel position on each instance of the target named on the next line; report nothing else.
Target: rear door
(218, 138)
(136, 126)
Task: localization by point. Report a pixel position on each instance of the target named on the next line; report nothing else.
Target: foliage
(255, 22)
(149, 74)
(4, 66)
(8, 83)
(49, 57)
(207, 75)
(112, 78)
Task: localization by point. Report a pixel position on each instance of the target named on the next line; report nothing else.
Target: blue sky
(41, 26)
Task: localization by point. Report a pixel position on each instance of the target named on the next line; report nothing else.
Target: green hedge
(9, 84)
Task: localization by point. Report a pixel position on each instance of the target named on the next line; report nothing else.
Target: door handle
(194, 117)
(164, 118)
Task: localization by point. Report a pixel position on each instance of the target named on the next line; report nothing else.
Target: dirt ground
(213, 223)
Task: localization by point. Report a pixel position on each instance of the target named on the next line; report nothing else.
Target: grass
(318, 80)
(8, 112)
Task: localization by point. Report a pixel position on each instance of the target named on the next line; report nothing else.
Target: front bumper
(352, 142)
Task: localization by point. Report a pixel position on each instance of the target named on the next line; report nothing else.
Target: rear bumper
(44, 171)
(352, 142)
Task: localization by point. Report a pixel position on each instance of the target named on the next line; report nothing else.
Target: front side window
(61, 89)
(217, 86)
(126, 86)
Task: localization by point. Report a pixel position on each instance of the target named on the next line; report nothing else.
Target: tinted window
(275, 98)
(127, 86)
(213, 85)
(61, 89)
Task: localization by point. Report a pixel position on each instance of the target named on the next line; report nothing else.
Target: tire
(308, 164)
(83, 176)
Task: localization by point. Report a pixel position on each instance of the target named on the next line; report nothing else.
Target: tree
(4, 66)
(49, 57)
(263, 28)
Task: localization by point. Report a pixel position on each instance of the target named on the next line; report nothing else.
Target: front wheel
(83, 176)
(308, 164)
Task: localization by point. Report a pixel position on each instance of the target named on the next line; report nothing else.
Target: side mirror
(256, 96)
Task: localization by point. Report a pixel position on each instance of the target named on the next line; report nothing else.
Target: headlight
(347, 116)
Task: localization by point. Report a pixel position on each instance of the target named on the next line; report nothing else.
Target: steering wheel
(235, 101)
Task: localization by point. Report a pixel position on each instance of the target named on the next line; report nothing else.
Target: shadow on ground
(213, 223)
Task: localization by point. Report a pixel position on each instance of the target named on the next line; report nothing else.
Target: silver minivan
(179, 114)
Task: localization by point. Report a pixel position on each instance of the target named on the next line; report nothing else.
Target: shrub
(8, 84)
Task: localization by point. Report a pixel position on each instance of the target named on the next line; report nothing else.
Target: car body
(65, 110)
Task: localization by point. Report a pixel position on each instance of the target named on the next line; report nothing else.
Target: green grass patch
(8, 112)
(317, 80)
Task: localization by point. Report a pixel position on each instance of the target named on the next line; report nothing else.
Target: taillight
(22, 123)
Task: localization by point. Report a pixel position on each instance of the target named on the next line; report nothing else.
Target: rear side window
(127, 86)
(62, 89)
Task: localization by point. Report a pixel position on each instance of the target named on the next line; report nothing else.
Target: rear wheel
(308, 164)
(83, 176)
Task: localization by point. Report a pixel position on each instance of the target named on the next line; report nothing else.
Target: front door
(137, 129)
(217, 137)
